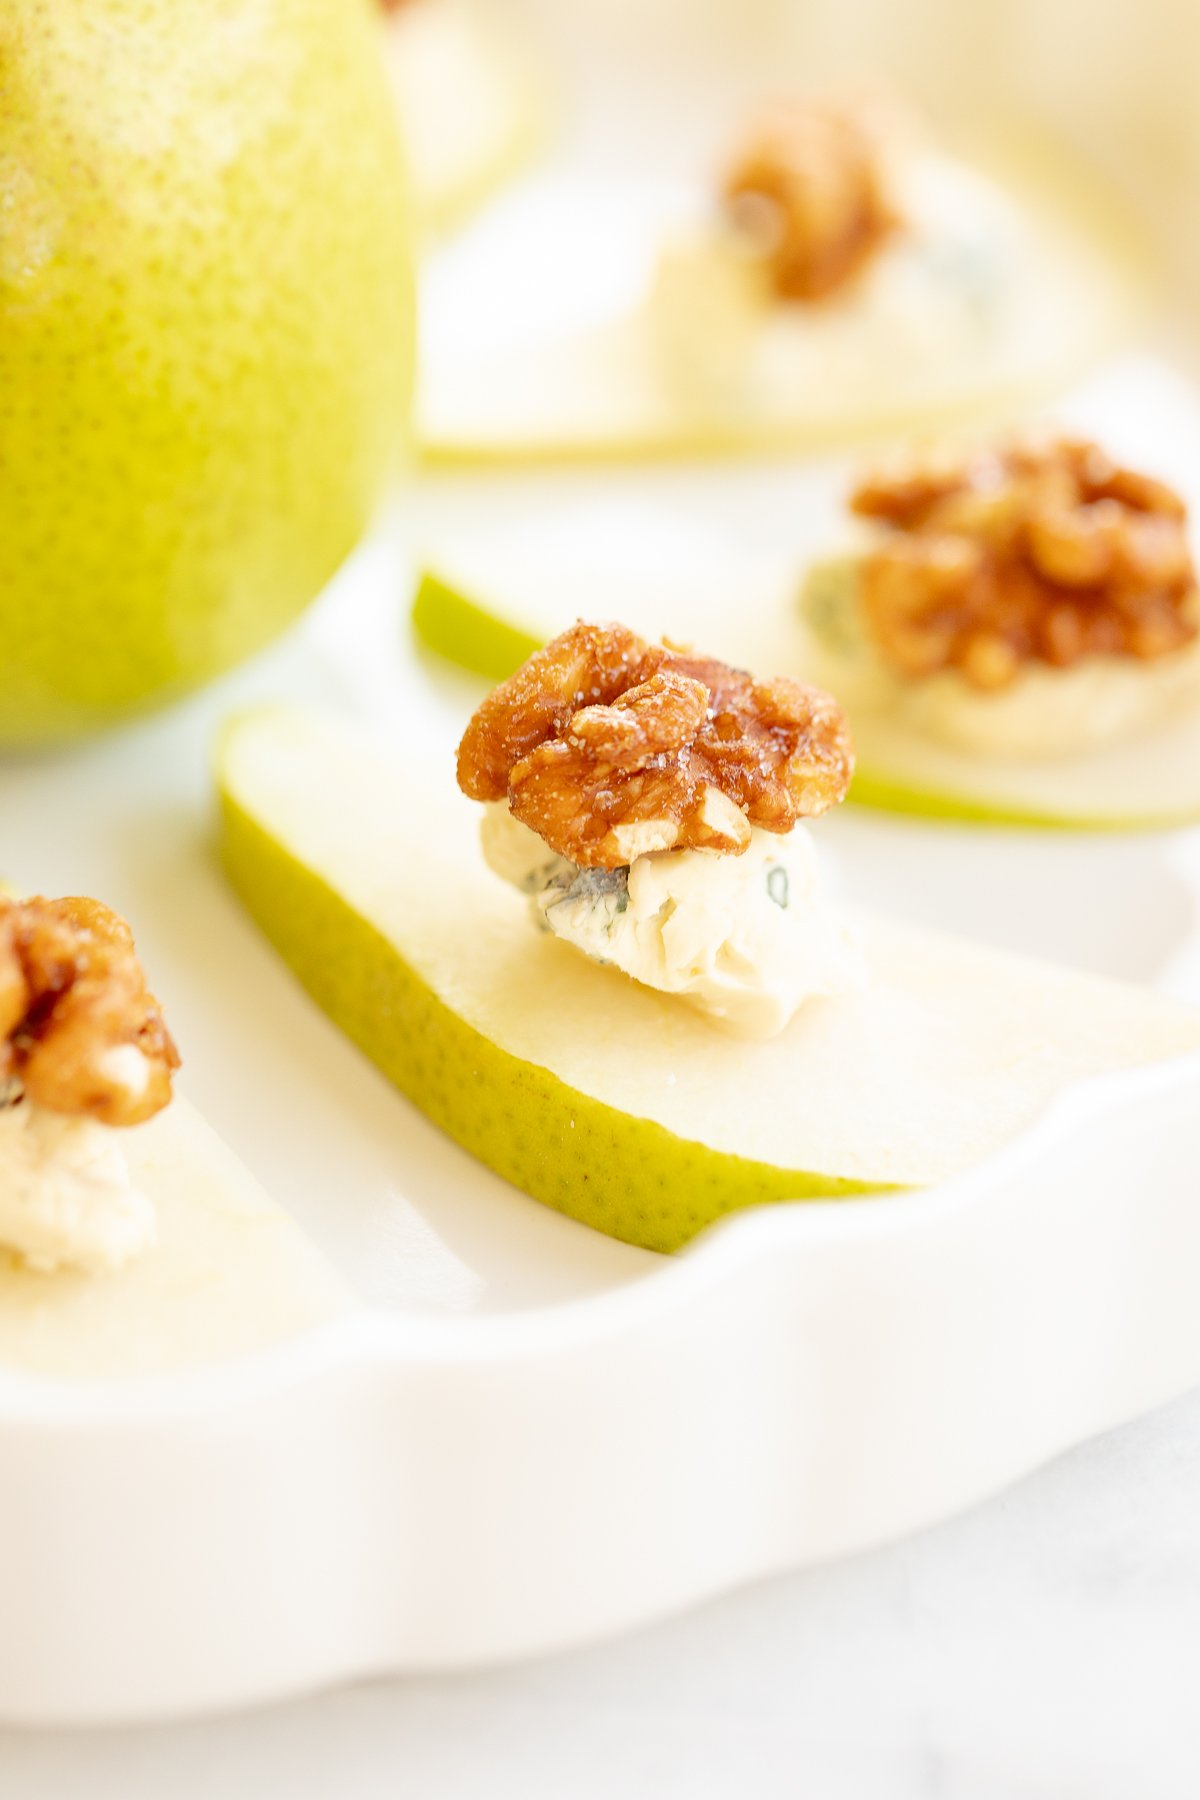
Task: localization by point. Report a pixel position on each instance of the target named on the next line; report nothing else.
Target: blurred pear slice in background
(619, 325)
(472, 102)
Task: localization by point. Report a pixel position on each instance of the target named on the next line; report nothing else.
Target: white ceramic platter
(530, 1435)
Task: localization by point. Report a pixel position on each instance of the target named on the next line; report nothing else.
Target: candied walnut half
(810, 185)
(79, 1031)
(1035, 550)
(609, 747)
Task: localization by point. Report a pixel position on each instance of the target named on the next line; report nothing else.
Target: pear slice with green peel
(227, 1275)
(608, 1101)
(471, 103)
(475, 635)
(595, 345)
(488, 604)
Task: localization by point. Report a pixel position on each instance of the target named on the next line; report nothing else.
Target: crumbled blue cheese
(745, 939)
(66, 1199)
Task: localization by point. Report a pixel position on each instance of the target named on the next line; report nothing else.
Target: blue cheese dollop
(744, 939)
(66, 1198)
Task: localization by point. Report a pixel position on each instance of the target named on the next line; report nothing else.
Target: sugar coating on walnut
(1030, 551)
(610, 747)
(80, 1033)
(809, 185)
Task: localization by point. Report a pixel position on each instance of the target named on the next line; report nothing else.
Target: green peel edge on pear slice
(484, 638)
(628, 1177)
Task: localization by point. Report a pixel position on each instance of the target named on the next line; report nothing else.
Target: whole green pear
(205, 336)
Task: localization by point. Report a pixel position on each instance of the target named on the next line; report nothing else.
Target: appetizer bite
(649, 803)
(1031, 598)
(840, 274)
(131, 1241)
(654, 1018)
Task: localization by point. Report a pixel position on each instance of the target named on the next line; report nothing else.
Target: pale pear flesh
(228, 1275)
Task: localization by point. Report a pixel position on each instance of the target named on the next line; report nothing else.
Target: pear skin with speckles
(206, 348)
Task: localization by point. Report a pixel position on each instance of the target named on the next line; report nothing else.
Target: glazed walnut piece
(810, 183)
(79, 1031)
(608, 747)
(1035, 551)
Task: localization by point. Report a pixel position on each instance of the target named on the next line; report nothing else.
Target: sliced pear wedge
(485, 605)
(582, 352)
(471, 102)
(604, 1099)
(229, 1273)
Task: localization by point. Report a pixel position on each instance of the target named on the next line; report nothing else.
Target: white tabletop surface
(1040, 1648)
